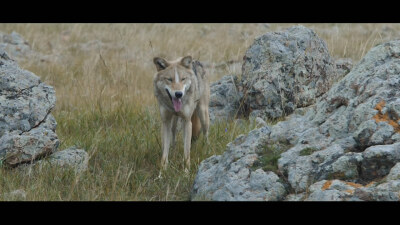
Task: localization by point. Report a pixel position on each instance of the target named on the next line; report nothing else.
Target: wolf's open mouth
(177, 102)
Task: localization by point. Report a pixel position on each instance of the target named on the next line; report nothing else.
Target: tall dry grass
(102, 74)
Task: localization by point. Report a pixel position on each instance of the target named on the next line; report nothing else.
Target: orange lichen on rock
(354, 184)
(380, 105)
(370, 183)
(379, 117)
(326, 185)
(349, 191)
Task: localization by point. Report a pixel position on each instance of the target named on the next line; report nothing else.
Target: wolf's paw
(160, 176)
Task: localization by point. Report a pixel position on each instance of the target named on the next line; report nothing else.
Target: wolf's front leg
(174, 129)
(188, 138)
(166, 140)
(166, 136)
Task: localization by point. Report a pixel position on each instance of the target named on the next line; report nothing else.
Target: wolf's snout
(178, 94)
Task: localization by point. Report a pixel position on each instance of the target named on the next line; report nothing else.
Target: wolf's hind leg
(205, 121)
(187, 142)
(196, 126)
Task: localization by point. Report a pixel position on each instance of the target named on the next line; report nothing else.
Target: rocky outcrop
(234, 176)
(344, 147)
(281, 71)
(70, 158)
(224, 99)
(343, 66)
(387, 189)
(27, 128)
(286, 70)
(20, 50)
(358, 117)
(14, 45)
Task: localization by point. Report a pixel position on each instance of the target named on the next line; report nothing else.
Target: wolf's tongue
(177, 104)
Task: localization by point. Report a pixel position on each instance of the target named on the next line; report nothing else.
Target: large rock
(14, 45)
(343, 66)
(25, 101)
(341, 148)
(332, 190)
(379, 160)
(234, 177)
(358, 112)
(25, 147)
(20, 50)
(388, 189)
(224, 99)
(27, 129)
(71, 158)
(282, 71)
(285, 70)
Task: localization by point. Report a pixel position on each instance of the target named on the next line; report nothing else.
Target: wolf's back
(198, 69)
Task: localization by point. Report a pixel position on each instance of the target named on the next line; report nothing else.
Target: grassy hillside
(102, 74)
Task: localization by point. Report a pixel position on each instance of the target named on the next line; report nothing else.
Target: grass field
(105, 102)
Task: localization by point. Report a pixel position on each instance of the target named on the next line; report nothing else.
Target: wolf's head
(174, 78)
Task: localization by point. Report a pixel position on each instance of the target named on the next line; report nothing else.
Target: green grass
(269, 156)
(105, 103)
(308, 151)
(125, 153)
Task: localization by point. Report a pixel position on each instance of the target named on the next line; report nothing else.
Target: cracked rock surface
(286, 70)
(71, 157)
(224, 99)
(345, 147)
(282, 71)
(231, 176)
(27, 129)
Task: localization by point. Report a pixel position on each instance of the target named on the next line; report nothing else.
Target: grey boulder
(71, 158)
(286, 70)
(233, 177)
(345, 147)
(27, 129)
(224, 99)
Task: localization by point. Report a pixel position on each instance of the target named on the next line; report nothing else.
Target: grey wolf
(182, 91)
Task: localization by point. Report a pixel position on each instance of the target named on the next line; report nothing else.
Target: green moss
(308, 151)
(269, 156)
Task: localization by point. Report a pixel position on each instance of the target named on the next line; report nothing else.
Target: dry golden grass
(121, 70)
(105, 100)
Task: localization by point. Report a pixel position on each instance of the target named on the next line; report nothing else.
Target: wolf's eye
(183, 79)
(169, 79)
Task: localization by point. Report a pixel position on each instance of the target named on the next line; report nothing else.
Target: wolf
(182, 91)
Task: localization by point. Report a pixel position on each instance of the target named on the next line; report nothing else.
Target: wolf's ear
(161, 63)
(187, 61)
